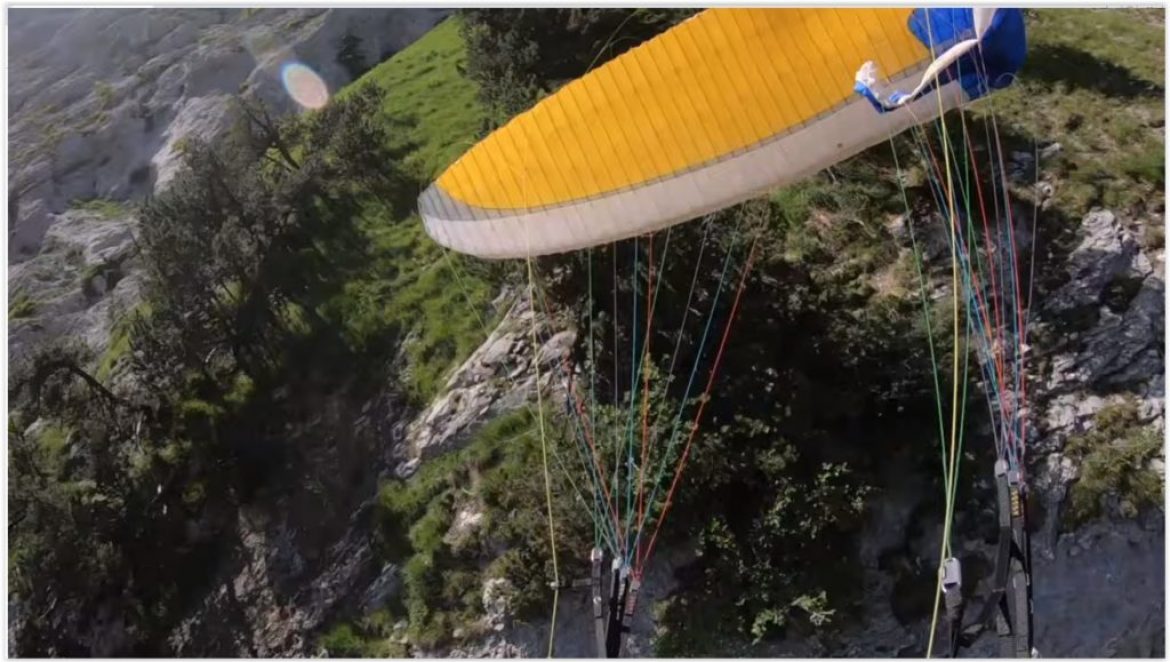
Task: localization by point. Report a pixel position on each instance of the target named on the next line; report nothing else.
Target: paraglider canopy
(719, 109)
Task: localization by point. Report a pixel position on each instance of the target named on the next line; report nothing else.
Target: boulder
(497, 378)
(1106, 251)
(381, 590)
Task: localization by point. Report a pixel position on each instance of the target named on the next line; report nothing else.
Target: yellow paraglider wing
(712, 112)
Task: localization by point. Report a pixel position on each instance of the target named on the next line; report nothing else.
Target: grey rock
(267, 605)
(557, 347)
(28, 229)
(1124, 575)
(1127, 348)
(406, 469)
(498, 598)
(1121, 353)
(381, 590)
(1050, 151)
(497, 378)
(77, 246)
(1158, 466)
(195, 118)
(498, 351)
(1055, 473)
(1105, 252)
(468, 519)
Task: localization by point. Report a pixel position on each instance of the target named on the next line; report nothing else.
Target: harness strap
(617, 601)
(1009, 602)
(596, 557)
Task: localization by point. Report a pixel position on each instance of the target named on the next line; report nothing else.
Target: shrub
(105, 94)
(21, 307)
(342, 641)
(1114, 462)
(106, 209)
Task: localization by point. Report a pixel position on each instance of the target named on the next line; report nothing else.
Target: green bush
(119, 345)
(1114, 461)
(105, 94)
(501, 471)
(372, 637)
(21, 307)
(1148, 165)
(426, 535)
(106, 209)
(342, 641)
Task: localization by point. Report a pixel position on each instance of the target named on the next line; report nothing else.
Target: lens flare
(304, 85)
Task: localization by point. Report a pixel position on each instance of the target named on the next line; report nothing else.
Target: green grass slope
(424, 83)
(1093, 82)
(416, 289)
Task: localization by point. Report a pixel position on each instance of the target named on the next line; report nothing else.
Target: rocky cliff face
(1114, 351)
(1097, 588)
(497, 378)
(100, 101)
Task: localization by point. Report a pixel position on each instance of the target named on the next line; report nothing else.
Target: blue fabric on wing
(992, 66)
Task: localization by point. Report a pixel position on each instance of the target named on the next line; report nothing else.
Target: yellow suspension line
(459, 279)
(552, 536)
(949, 479)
